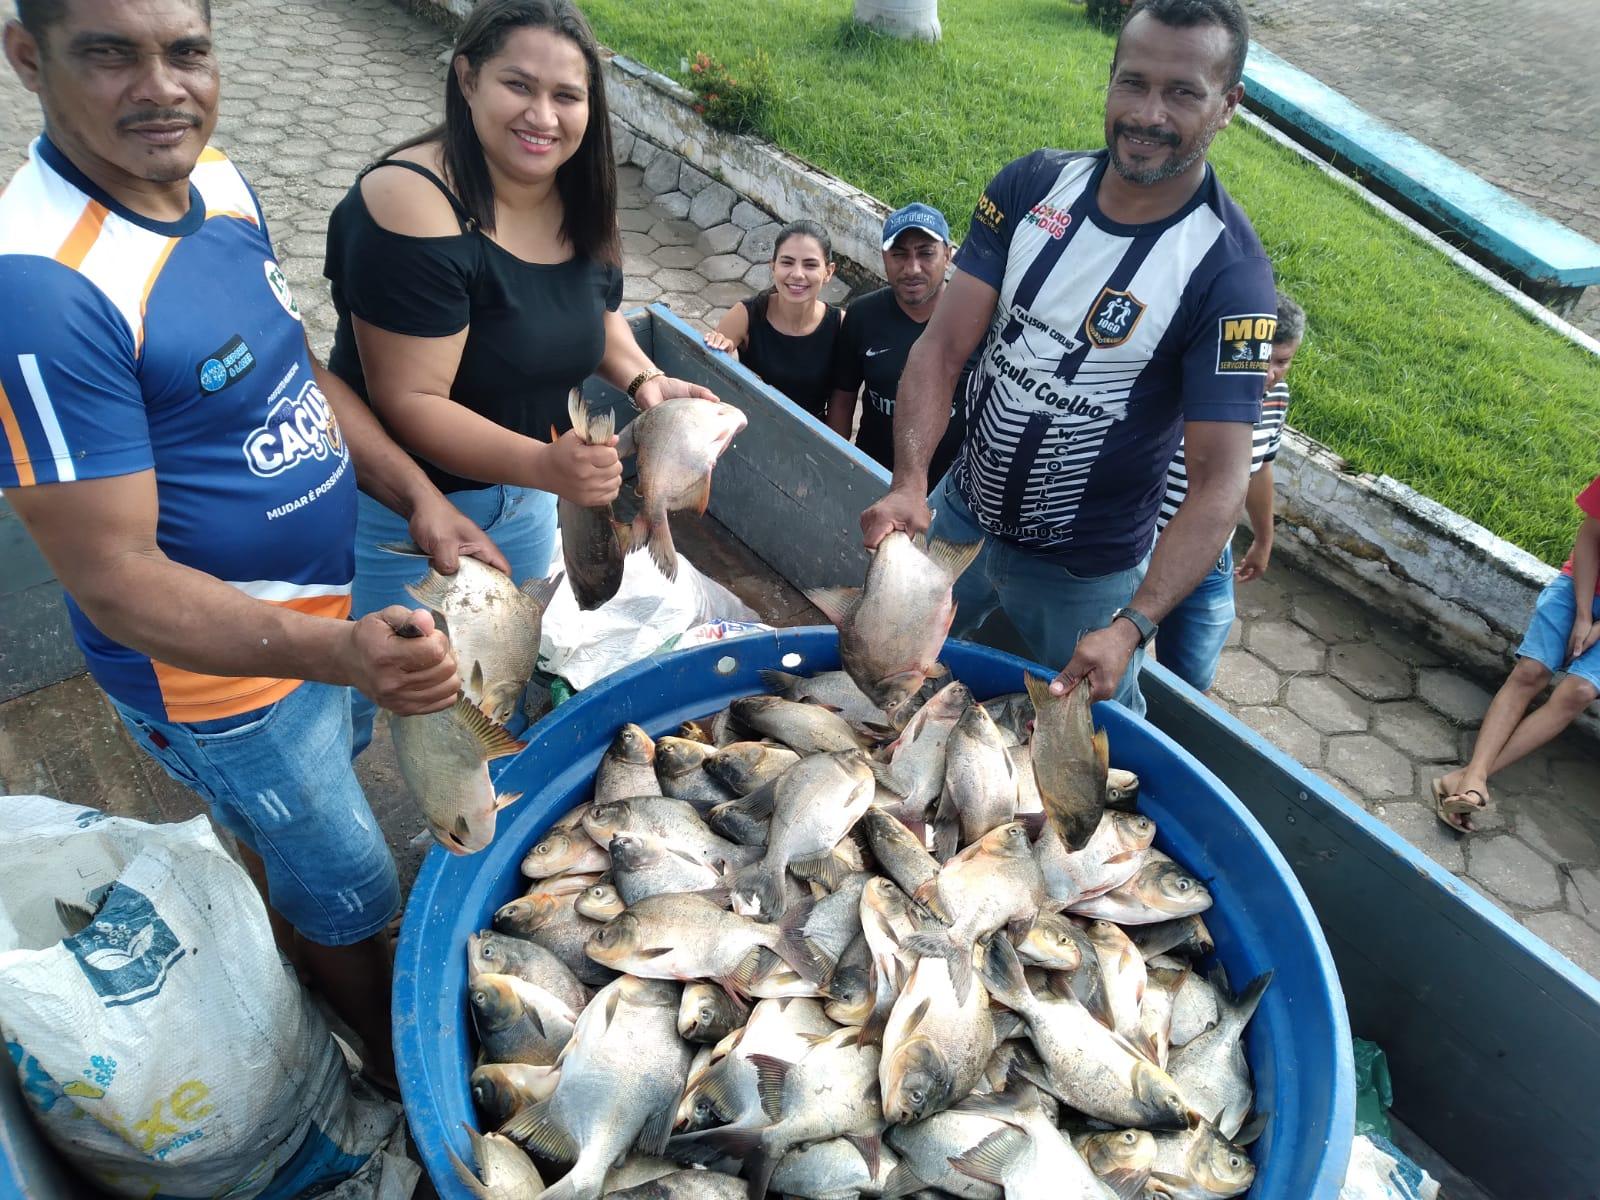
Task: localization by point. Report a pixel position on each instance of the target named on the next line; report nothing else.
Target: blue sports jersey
(1106, 338)
(131, 345)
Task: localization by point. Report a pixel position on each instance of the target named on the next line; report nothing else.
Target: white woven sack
(166, 1049)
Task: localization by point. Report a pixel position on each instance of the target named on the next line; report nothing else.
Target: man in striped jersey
(1194, 631)
(185, 466)
(1123, 300)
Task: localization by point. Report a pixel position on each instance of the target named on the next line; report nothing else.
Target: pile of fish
(494, 626)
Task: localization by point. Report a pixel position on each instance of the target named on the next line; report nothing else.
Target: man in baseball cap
(880, 329)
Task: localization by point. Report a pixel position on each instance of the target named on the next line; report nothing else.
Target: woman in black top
(786, 334)
(477, 280)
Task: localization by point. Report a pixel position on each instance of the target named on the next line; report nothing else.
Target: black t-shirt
(799, 367)
(873, 345)
(536, 330)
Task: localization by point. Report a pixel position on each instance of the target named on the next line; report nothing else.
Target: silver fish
(1211, 1068)
(1086, 1065)
(443, 757)
(1159, 891)
(836, 1169)
(494, 627)
(684, 1185)
(676, 443)
(1200, 1164)
(1123, 975)
(1120, 1157)
(728, 1093)
(891, 632)
(518, 1022)
(676, 822)
(599, 902)
(745, 766)
(628, 1032)
(1052, 942)
(898, 850)
(501, 1090)
(1155, 1013)
(628, 767)
(680, 768)
(926, 1148)
(814, 805)
(1029, 1157)
(1028, 799)
(1186, 936)
(1013, 713)
(707, 1013)
(980, 784)
(505, 1172)
(555, 923)
(492, 953)
(917, 759)
(1069, 761)
(1111, 857)
(832, 689)
(564, 851)
(1194, 1009)
(593, 542)
(935, 1045)
(646, 865)
(804, 728)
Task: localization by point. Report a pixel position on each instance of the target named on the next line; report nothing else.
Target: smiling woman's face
(530, 103)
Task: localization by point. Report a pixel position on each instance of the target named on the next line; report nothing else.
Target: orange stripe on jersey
(208, 155)
(83, 236)
(231, 212)
(19, 448)
(149, 285)
(191, 696)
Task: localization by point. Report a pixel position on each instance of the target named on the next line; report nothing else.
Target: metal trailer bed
(1493, 1039)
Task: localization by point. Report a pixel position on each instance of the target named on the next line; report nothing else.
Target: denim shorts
(1546, 639)
(522, 522)
(280, 780)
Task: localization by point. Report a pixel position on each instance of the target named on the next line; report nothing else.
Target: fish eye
(491, 951)
(1182, 885)
(480, 996)
(1234, 1161)
(1129, 1137)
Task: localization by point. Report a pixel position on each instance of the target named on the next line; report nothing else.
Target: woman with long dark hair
(476, 271)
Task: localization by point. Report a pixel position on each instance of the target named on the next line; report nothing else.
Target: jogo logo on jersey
(295, 430)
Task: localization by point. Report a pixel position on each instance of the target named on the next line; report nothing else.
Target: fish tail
(654, 533)
(762, 887)
(809, 959)
(572, 1186)
(1244, 1006)
(1002, 972)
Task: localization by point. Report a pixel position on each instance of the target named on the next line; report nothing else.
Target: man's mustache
(1165, 137)
(158, 116)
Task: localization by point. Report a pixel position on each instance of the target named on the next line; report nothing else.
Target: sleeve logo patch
(1112, 318)
(988, 214)
(1244, 343)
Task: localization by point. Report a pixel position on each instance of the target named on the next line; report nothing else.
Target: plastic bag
(1378, 1171)
(1374, 1092)
(166, 1049)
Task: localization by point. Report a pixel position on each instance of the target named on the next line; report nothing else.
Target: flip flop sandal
(1454, 810)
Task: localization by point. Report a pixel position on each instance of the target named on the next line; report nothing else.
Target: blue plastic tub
(1298, 1045)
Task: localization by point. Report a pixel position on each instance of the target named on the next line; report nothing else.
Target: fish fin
(778, 682)
(716, 1088)
(872, 1029)
(917, 1013)
(751, 967)
(652, 1139)
(492, 738)
(1007, 1025)
(902, 1181)
(623, 532)
(946, 828)
(826, 869)
(505, 799)
(770, 1074)
(430, 591)
(835, 603)
(578, 412)
(953, 557)
(475, 685)
(939, 944)
(534, 1128)
(655, 535)
(74, 918)
(702, 499)
(1102, 753)
(540, 591)
(884, 774)
(870, 1147)
(1252, 1129)
(1039, 692)
(809, 958)
(1126, 1183)
(878, 731)
(991, 1158)
(465, 1173)
(1244, 1005)
(409, 549)
(760, 887)
(627, 441)
(1002, 972)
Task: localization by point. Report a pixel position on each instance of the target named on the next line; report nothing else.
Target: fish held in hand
(890, 634)
(593, 542)
(444, 758)
(676, 444)
(1070, 761)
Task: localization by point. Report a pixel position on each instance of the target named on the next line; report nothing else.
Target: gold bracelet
(642, 378)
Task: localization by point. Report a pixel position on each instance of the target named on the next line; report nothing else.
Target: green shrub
(1106, 14)
(734, 104)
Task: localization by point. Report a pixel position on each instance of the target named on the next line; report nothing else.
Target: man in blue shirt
(1122, 301)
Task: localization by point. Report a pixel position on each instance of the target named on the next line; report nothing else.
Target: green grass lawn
(1413, 369)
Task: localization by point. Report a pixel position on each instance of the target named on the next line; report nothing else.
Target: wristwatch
(1145, 626)
(639, 380)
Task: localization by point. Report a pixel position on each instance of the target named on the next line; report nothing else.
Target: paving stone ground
(1506, 88)
(314, 89)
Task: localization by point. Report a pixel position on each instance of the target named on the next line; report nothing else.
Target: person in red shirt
(1564, 635)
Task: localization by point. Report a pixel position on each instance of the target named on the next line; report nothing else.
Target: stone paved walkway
(313, 89)
(1507, 88)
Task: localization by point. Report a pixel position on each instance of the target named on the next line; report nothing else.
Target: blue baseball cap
(916, 216)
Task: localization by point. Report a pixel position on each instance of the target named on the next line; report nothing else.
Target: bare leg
(1571, 697)
(1500, 723)
(282, 932)
(356, 981)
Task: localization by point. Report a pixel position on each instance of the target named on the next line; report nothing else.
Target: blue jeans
(522, 522)
(1191, 637)
(1050, 606)
(1546, 639)
(279, 779)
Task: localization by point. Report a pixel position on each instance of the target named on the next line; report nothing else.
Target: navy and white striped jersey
(1106, 338)
(1264, 440)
